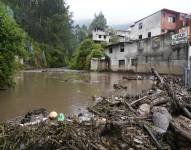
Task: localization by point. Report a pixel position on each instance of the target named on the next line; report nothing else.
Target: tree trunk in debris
(175, 100)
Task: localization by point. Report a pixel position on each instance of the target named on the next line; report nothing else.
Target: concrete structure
(158, 23)
(149, 44)
(99, 35)
(99, 64)
(123, 35)
(141, 55)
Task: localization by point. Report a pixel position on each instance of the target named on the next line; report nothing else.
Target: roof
(164, 9)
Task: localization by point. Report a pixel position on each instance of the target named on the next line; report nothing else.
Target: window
(122, 48)
(140, 37)
(99, 36)
(133, 62)
(172, 19)
(110, 50)
(149, 34)
(121, 63)
(140, 25)
(104, 36)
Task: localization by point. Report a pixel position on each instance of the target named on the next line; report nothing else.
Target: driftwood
(172, 94)
(159, 101)
(155, 141)
(151, 97)
(181, 125)
(138, 100)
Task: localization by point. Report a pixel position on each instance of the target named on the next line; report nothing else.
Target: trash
(53, 115)
(61, 117)
(144, 110)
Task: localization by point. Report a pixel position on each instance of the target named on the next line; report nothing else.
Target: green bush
(11, 45)
(87, 50)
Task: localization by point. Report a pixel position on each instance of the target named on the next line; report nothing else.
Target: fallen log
(181, 125)
(176, 101)
(159, 101)
(138, 100)
(155, 141)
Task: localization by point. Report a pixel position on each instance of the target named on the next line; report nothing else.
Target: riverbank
(158, 118)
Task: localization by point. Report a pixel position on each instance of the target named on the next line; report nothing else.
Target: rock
(161, 118)
(53, 115)
(144, 109)
(162, 110)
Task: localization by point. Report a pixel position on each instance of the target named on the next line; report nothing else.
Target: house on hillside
(100, 35)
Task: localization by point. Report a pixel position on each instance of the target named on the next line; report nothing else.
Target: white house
(100, 35)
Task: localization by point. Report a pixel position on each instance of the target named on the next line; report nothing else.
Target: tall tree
(80, 33)
(99, 21)
(48, 22)
(11, 45)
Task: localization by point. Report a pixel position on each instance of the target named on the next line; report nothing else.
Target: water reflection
(61, 91)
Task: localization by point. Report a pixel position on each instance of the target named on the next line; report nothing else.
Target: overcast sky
(124, 11)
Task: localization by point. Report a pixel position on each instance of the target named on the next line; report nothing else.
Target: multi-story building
(123, 35)
(150, 44)
(100, 35)
(158, 23)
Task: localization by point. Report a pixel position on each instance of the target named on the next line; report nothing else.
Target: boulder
(161, 118)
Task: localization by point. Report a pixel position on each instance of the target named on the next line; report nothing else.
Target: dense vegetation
(99, 21)
(42, 33)
(49, 24)
(11, 45)
(87, 50)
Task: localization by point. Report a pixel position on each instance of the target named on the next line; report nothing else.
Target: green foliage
(81, 33)
(87, 50)
(99, 21)
(11, 45)
(49, 23)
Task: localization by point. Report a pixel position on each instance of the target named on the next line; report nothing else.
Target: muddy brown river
(68, 91)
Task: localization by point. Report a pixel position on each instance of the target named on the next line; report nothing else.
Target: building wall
(100, 36)
(150, 24)
(155, 52)
(165, 24)
(98, 64)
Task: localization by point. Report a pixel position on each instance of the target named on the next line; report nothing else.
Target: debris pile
(159, 118)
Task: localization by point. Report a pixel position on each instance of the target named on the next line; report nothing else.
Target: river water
(68, 91)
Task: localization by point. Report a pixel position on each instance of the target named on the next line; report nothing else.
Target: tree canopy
(49, 23)
(99, 21)
(87, 50)
(11, 45)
